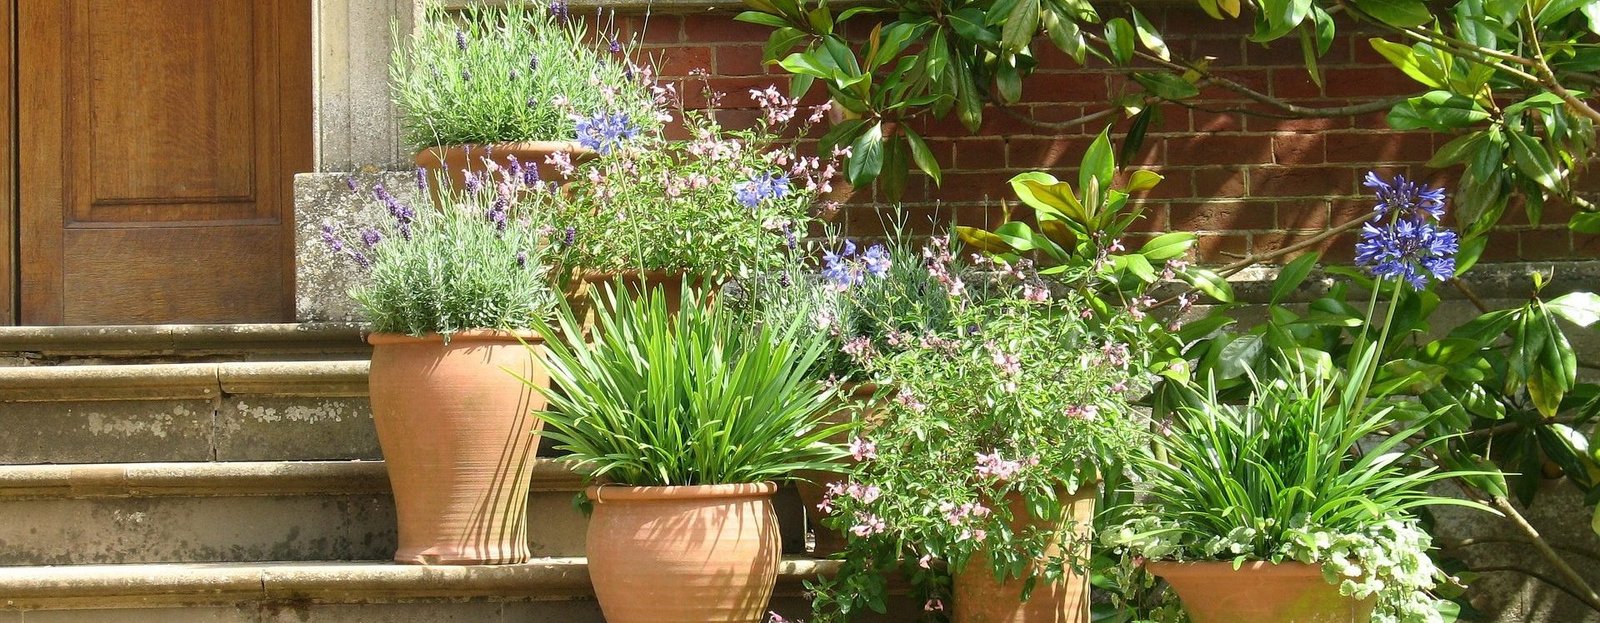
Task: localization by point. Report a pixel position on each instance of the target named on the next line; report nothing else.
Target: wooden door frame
(10, 233)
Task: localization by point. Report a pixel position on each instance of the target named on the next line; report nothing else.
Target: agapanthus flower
(1404, 198)
(1409, 250)
(604, 132)
(750, 193)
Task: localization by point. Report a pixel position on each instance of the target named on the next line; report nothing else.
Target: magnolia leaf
(1405, 59)
(1239, 355)
(982, 240)
(1585, 223)
(1397, 13)
(1148, 36)
(1209, 282)
(1099, 165)
(1058, 232)
(1166, 86)
(1119, 37)
(1293, 274)
(1168, 246)
(1021, 25)
(922, 155)
(1142, 180)
(1533, 160)
(1579, 308)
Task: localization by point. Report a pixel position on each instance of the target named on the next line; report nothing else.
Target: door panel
(160, 139)
(8, 203)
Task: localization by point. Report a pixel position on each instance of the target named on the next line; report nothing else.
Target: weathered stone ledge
(1496, 281)
(153, 585)
(183, 381)
(227, 479)
(184, 339)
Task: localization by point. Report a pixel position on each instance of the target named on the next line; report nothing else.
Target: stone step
(233, 512)
(546, 590)
(198, 411)
(24, 346)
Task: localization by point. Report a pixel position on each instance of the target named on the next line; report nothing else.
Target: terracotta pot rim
(601, 494)
(573, 147)
(470, 335)
(602, 276)
(1168, 568)
(859, 389)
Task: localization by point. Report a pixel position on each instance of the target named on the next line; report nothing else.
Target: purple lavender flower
(1404, 198)
(371, 237)
(474, 184)
(422, 179)
(350, 182)
(533, 102)
(569, 237)
(533, 61)
(839, 270)
(522, 259)
(361, 259)
(466, 74)
(877, 261)
(330, 239)
(498, 214)
(559, 10)
(615, 47)
(530, 175)
(603, 132)
(515, 76)
(461, 40)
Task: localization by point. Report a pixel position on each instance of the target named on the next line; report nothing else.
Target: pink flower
(562, 161)
(909, 400)
(860, 350)
(868, 524)
(863, 450)
(992, 465)
(773, 617)
(1116, 246)
(1086, 412)
(1006, 363)
(932, 605)
(926, 562)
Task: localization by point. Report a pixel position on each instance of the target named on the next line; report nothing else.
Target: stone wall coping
(174, 339)
(183, 380)
(700, 6)
(149, 585)
(228, 479)
(1501, 281)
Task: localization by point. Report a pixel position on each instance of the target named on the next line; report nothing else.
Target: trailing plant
(725, 203)
(479, 261)
(1021, 395)
(496, 74)
(693, 397)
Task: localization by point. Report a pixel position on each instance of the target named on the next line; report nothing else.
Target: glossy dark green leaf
(1532, 159)
(1021, 25)
(1120, 37)
(1166, 86)
(1457, 150)
(1557, 10)
(1397, 13)
(781, 42)
(1066, 35)
(1278, 17)
(1149, 36)
(1436, 110)
(762, 18)
(1168, 246)
(1585, 223)
(1293, 274)
(866, 156)
(1404, 58)
(1098, 164)
(1133, 141)
(1209, 282)
(922, 155)
(1579, 308)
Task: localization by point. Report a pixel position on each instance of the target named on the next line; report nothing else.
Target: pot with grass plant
(498, 86)
(1298, 506)
(984, 468)
(452, 294)
(688, 419)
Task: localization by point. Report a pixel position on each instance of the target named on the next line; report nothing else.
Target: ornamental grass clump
(723, 204)
(1019, 397)
(500, 74)
(692, 397)
(479, 261)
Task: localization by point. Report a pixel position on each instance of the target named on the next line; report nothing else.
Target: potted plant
(687, 418)
(723, 204)
(859, 296)
(499, 83)
(450, 294)
(1297, 507)
(988, 458)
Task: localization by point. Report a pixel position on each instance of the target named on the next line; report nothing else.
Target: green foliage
(503, 85)
(693, 397)
(452, 268)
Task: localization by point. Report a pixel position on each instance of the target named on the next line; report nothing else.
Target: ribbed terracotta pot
(812, 485)
(1260, 592)
(458, 437)
(980, 598)
(453, 161)
(700, 554)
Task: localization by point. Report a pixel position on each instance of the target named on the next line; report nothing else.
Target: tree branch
(1056, 125)
(1548, 77)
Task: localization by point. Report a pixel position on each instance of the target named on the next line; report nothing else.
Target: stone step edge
(175, 339)
(179, 381)
(229, 479)
(198, 584)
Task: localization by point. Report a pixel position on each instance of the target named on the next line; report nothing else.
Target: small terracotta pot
(701, 554)
(980, 598)
(1260, 592)
(454, 160)
(457, 434)
(813, 484)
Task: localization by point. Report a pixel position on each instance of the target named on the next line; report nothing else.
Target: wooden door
(157, 145)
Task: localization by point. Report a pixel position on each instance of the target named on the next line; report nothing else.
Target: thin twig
(1257, 258)
(1465, 290)
(1533, 574)
(1056, 125)
(1548, 77)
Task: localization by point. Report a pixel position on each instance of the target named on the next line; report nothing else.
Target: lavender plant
(726, 203)
(483, 75)
(1021, 395)
(479, 261)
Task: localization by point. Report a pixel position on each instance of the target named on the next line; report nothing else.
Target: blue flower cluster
(845, 268)
(604, 132)
(753, 191)
(1404, 239)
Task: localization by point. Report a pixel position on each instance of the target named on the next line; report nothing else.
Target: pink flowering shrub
(1018, 395)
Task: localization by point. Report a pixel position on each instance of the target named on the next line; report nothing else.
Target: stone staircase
(231, 474)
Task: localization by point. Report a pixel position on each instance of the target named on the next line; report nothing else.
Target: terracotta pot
(455, 160)
(1259, 592)
(457, 435)
(980, 598)
(813, 484)
(702, 554)
(636, 283)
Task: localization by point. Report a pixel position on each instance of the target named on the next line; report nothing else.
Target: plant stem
(1584, 592)
(1547, 78)
(1383, 339)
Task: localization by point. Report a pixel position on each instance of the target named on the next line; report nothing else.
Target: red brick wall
(1245, 183)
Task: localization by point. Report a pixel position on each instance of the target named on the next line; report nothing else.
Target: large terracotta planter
(453, 161)
(591, 285)
(813, 485)
(457, 433)
(980, 598)
(701, 554)
(1259, 592)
